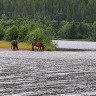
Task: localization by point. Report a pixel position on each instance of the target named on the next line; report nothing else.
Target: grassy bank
(25, 46)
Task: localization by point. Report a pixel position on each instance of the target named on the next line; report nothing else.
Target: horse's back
(14, 42)
(37, 44)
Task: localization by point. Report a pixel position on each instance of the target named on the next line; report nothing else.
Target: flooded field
(56, 73)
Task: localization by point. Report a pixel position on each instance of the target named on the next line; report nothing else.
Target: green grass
(50, 47)
(25, 46)
(5, 44)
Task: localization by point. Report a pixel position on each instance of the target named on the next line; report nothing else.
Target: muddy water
(56, 73)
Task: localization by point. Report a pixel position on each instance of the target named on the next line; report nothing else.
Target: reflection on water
(28, 73)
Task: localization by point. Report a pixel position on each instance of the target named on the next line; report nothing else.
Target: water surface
(52, 73)
(75, 45)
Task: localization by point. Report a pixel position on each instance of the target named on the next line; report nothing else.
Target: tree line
(74, 30)
(44, 20)
(68, 10)
(26, 30)
(32, 30)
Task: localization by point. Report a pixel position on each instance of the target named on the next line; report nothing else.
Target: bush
(35, 35)
(48, 34)
(11, 33)
(1, 33)
(75, 31)
(83, 30)
(23, 31)
(93, 37)
(65, 30)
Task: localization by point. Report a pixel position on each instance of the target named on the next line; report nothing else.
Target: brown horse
(37, 44)
(14, 44)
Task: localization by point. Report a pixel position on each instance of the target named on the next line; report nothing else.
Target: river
(74, 45)
(48, 73)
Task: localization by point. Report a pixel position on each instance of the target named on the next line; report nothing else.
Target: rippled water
(56, 73)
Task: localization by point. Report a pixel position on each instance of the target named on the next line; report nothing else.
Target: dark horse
(14, 44)
(37, 44)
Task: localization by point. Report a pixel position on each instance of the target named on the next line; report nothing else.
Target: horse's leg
(17, 47)
(43, 48)
(13, 47)
(38, 49)
(32, 48)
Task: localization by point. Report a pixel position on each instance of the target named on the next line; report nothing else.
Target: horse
(14, 45)
(37, 44)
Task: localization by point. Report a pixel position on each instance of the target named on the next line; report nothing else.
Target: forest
(44, 20)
